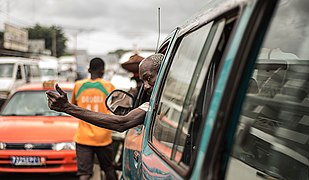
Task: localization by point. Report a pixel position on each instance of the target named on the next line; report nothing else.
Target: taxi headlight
(2, 146)
(64, 146)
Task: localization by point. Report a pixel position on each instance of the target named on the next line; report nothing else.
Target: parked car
(33, 138)
(231, 97)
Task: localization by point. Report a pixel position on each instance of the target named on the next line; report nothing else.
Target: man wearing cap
(92, 140)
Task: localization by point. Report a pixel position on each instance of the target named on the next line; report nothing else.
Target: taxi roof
(39, 86)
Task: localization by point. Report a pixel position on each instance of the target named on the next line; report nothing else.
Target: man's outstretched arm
(59, 102)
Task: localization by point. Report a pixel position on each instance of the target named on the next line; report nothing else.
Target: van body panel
(6, 84)
(25, 70)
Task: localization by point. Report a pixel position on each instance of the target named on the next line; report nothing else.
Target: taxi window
(272, 139)
(29, 103)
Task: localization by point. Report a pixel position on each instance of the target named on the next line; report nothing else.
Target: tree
(119, 52)
(50, 34)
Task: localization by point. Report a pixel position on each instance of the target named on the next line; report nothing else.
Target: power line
(15, 19)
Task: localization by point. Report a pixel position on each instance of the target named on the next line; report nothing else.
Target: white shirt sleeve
(144, 106)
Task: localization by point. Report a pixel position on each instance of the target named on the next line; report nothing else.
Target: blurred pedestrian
(91, 140)
(71, 75)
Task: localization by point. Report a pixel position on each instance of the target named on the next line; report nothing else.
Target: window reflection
(174, 92)
(277, 109)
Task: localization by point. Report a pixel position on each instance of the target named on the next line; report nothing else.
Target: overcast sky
(99, 25)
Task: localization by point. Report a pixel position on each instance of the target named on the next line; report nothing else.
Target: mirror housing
(119, 102)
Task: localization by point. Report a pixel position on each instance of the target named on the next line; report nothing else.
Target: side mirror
(119, 102)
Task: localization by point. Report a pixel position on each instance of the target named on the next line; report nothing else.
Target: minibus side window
(272, 138)
(175, 90)
(181, 106)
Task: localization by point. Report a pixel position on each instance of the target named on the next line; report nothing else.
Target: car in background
(35, 139)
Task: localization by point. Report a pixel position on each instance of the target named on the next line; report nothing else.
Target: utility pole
(54, 42)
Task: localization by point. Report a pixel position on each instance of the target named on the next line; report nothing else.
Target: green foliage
(119, 52)
(47, 33)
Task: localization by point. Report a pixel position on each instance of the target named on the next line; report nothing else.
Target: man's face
(149, 79)
(148, 76)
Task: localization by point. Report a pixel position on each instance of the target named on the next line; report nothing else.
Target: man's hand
(57, 102)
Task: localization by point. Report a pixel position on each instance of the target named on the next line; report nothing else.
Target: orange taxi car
(34, 138)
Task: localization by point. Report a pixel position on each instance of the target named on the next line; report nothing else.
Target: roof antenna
(159, 22)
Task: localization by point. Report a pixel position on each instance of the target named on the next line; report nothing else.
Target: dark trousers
(85, 159)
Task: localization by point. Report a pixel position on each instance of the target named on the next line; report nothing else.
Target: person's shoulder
(105, 81)
(80, 82)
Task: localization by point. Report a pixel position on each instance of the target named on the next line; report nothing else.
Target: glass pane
(30, 103)
(48, 72)
(277, 103)
(191, 115)
(35, 71)
(6, 70)
(175, 90)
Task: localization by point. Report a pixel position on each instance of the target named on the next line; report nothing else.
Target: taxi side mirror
(119, 102)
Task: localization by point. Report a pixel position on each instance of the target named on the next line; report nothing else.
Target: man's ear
(89, 70)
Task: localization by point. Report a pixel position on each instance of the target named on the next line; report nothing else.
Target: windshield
(48, 72)
(29, 103)
(6, 70)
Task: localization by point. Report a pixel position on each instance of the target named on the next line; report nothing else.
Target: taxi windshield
(6, 70)
(30, 103)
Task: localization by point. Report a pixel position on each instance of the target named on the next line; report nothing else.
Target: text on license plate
(27, 160)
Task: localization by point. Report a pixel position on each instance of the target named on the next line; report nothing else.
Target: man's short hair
(156, 60)
(96, 64)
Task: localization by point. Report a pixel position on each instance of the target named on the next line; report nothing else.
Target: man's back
(91, 94)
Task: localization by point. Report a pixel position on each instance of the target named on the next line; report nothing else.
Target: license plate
(27, 160)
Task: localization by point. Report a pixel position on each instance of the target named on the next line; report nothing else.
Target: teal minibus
(231, 100)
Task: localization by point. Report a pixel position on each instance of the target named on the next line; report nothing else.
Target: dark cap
(96, 64)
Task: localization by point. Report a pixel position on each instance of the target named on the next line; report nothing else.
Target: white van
(48, 68)
(16, 71)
